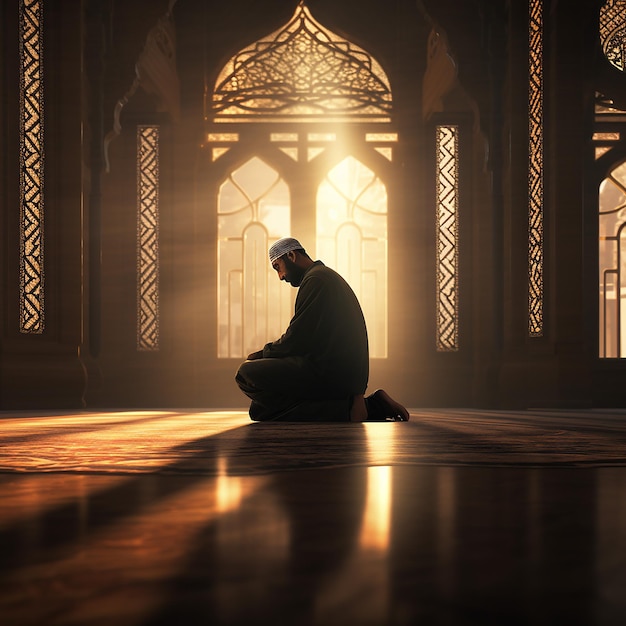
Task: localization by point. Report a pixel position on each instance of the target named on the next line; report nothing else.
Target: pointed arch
(319, 98)
(302, 70)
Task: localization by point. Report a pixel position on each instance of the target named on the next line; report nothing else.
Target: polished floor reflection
(174, 517)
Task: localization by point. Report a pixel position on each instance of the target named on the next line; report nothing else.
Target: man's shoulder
(320, 276)
(319, 270)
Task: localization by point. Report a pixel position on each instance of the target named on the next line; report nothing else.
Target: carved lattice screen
(535, 170)
(31, 167)
(447, 238)
(148, 238)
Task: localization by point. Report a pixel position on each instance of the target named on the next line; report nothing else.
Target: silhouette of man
(318, 370)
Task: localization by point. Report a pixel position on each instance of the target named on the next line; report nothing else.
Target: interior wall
(41, 366)
(87, 354)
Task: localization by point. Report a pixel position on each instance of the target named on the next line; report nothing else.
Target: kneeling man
(318, 370)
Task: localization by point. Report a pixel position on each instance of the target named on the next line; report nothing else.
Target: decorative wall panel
(447, 238)
(535, 171)
(31, 167)
(147, 238)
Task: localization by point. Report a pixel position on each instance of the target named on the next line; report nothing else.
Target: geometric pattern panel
(535, 171)
(447, 184)
(302, 71)
(31, 294)
(147, 238)
(612, 28)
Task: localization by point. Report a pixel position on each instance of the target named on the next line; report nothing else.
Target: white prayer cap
(282, 246)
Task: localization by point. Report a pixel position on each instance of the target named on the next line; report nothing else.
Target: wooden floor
(171, 518)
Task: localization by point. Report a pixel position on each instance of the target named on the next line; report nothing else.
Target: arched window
(319, 105)
(352, 237)
(612, 264)
(253, 212)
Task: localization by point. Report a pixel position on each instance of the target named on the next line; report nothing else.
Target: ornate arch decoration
(302, 72)
(613, 32)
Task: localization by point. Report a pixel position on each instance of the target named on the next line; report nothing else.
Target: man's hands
(253, 356)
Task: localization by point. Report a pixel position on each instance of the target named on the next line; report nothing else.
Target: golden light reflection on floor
(381, 441)
(126, 441)
(242, 523)
(377, 515)
(228, 489)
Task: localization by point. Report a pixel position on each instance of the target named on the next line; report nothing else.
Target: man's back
(329, 329)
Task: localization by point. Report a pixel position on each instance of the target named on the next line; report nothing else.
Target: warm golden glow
(128, 441)
(606, 136)
(292, 153)
(253, 212)
(292, 137)
(301, 72)
(216, 153)
(381, 442)
(352, 238)
(376, 524)
(322, 137)
(231, 137)
(228, 489)
(386, 137)
(311, 153)
(386, 152)
(612, 264)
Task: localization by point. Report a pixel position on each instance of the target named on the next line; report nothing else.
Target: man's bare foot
(384, 406)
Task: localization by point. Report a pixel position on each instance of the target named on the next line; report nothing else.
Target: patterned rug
(217, 442)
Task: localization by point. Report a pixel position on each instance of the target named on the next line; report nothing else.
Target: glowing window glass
(302, 74)
(322, 136)
(311, 153)
(386, 137)
(291, 137)
(216, 153)
(606, 136)
(386, 152)
(253, 305)
(352, 238)
(231, 137)
(292, 153)
(612, 264)
(376, 523)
